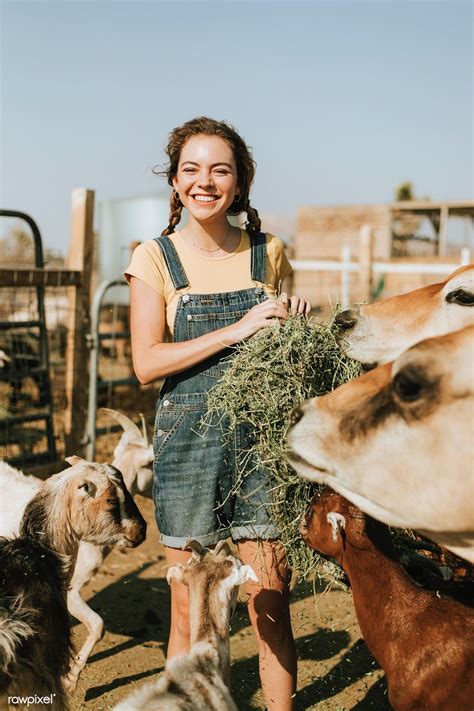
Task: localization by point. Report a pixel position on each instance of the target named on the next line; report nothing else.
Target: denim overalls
(196, 469)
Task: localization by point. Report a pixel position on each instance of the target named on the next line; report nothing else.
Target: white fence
(366, 267)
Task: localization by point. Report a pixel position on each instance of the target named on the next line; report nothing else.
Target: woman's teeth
(205, 198)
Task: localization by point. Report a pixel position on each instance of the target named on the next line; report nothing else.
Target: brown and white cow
(380, 332)
(399, 441)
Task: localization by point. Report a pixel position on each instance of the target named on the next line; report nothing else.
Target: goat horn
(222, 547)
(145, 433)
(196, 548)
(127, 424)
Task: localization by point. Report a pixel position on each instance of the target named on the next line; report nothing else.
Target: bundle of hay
(272, 373)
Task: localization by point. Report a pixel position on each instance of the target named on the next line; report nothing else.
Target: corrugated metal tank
(122, 222)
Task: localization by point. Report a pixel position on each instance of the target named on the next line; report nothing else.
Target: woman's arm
(152, 358)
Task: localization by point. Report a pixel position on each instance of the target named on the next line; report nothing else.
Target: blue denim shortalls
(196, 469)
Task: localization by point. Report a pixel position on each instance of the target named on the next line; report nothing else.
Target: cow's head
(398, 441)
(380, 332)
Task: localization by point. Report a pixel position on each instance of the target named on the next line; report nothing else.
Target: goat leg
(89, 559)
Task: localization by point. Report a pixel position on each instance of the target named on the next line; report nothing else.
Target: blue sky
(341, 101)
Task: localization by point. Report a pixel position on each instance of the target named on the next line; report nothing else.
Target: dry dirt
(335, 669)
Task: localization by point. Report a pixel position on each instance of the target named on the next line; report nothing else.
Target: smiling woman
(195, 293)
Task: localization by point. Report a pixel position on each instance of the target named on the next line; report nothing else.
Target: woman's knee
(270, 615)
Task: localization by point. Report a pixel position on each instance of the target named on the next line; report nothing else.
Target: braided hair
(244, 162)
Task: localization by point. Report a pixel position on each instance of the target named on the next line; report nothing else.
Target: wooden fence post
(366, 241)
(77, 357)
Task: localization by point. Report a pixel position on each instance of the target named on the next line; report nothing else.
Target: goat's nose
(296, 415)
(346, 319)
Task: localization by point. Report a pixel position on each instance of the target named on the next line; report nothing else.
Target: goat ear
(74, 460)
(175, 573)
(338, 523)
(246, 573)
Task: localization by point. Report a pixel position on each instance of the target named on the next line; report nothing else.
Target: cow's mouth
(305, 468)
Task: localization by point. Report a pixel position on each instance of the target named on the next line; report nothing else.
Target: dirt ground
(335, 670)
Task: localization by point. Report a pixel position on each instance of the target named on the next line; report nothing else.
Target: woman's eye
(460, 296)
(408, 386)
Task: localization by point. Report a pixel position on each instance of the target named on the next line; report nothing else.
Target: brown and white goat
(133, 456)
(88, 502)
(200, 679)
(424, 643)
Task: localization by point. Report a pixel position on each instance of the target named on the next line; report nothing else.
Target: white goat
(200, 679)
(87, 505)
(87, 502)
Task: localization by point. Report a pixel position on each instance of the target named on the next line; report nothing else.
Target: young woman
(195, 293)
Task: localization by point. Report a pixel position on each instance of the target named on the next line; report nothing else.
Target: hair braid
(176, 207)
(253, 220)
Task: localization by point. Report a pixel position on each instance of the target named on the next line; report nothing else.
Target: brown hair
(245, 164)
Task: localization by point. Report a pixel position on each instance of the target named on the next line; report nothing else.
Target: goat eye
(460, 296)
(84, 486)
(408, 386)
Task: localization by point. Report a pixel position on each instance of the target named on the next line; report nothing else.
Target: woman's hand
(265, 313)
(295, 304)
(259, 316)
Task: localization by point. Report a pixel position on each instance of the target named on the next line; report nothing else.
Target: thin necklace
(217, 248)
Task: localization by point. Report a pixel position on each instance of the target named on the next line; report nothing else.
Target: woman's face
(207, 177)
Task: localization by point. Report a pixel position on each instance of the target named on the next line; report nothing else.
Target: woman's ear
(175, 183)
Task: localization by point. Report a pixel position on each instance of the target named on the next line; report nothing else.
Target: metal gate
(96, 384)
(24, 354)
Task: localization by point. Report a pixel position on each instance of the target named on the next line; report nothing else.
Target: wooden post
(443, 231)
(366, 241)
(77, 357)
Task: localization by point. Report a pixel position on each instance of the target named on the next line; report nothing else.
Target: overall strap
(173, 262)
(258, 242)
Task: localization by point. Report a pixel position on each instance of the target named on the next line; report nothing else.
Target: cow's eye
(460, 296)
(408, 385)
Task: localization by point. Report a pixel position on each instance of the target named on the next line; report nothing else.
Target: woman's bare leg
(179, 629)
(269, 613)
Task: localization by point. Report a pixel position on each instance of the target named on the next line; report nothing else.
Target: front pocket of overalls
(167, 423)
(200, 324)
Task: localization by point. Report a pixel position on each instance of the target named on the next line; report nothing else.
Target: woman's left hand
(295, 304)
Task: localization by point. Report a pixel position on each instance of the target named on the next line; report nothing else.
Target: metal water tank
(122, 222)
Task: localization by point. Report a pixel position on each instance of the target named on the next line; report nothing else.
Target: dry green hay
(272, 373)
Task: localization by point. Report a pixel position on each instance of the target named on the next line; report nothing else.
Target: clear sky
(341, 101)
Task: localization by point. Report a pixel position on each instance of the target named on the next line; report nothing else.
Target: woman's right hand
(259, 316)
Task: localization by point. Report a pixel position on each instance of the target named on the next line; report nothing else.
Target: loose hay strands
(271, 374)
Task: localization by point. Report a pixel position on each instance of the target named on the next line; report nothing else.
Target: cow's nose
(346, 319)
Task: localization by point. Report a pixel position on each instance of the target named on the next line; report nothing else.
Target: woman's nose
(205, 179)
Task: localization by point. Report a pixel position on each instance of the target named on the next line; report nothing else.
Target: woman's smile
(205, 198)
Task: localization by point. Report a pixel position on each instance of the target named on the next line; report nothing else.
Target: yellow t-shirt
(206, 275)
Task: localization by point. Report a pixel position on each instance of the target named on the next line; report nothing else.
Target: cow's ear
(338, 523)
